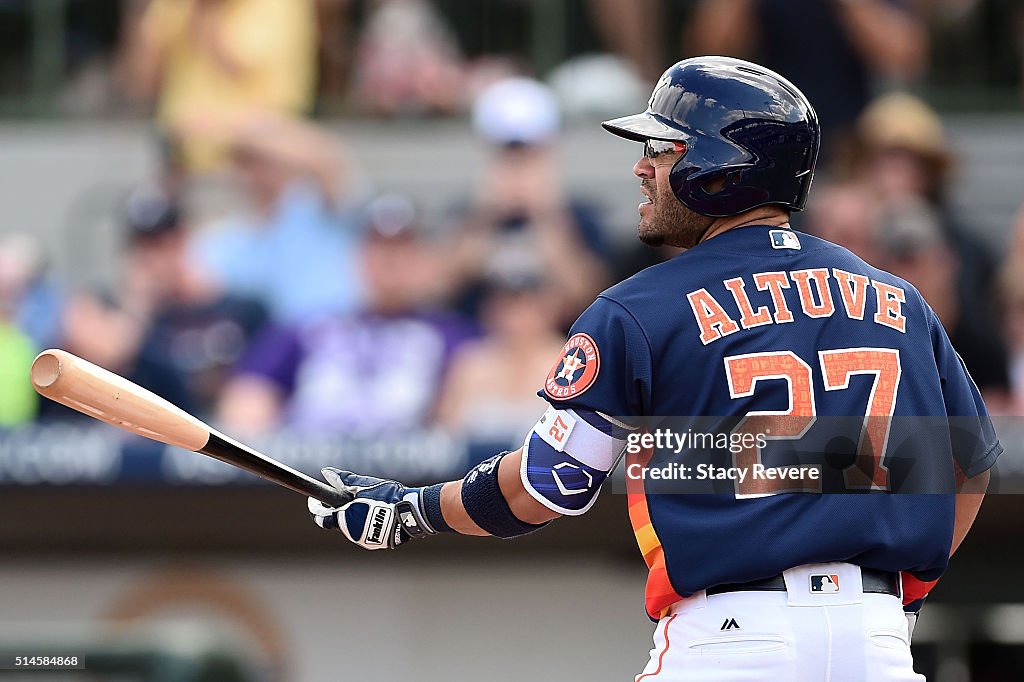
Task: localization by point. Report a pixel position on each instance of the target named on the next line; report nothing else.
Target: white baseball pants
(835, 635)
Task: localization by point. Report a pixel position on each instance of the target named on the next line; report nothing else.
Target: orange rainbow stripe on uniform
(659, 594)
(915, 588)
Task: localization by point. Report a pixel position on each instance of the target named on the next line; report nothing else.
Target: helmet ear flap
(718, 182)
(707, 192)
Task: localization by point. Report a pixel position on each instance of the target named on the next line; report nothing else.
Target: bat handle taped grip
(330, 495)
(231, 451)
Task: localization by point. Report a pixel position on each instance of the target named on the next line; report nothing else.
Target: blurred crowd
(326, 303)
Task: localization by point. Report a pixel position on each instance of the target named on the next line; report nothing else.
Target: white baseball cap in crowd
(516, 111)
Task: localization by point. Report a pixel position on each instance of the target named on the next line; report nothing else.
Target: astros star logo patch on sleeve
(575, 370)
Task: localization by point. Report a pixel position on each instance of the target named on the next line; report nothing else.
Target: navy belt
(875, 582)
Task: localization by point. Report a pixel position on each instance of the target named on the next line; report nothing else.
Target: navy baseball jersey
(805, 359)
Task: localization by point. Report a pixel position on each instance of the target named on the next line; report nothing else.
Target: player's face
(663, 218)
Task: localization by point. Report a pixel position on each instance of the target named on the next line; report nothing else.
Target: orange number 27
(837, 366)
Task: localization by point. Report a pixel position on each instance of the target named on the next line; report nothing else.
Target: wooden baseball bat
(92, 390)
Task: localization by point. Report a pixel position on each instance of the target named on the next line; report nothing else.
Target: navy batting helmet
(741, 123)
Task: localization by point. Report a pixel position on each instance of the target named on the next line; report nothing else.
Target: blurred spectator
(1011, 296)
(1011, 300)
(831, 49)
(407, 61)
(1017, 236)
(32, 298)
(521, 223)
(903, 153)
(634, 30)
(17, 399)
(294, 250)
(904, 149)
(170, 330)
(597, 85)
(334, 24)
(210, 61)
(491, 392)
(914, 248)
(846, 214)
(374, 372)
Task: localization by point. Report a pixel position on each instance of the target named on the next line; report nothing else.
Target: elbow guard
(567, 456)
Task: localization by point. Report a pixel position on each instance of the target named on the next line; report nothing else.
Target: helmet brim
(641, 127)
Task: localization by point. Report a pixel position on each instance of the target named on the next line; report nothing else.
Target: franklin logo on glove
(381, 516)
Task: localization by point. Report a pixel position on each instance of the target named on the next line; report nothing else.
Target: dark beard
(653, 239)
(674, 224)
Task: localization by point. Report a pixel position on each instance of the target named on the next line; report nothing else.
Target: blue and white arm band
(568, 455)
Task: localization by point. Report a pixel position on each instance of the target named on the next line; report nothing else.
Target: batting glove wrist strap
(486, 505)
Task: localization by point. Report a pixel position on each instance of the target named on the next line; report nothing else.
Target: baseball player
(773, 333)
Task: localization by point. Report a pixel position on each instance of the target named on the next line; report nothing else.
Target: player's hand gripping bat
(81, 385)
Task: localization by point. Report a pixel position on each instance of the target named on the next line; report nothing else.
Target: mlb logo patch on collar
(824, 583)
(784, 239)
